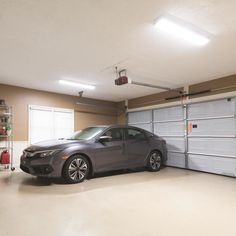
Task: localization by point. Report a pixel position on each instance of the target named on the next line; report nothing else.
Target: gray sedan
(95, 149)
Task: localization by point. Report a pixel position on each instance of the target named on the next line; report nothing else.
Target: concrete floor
(171, 202)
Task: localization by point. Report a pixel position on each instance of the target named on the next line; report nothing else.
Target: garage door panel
(167, 114)
(176, 160)
(170, 128)
(224, 107)
(140, 117)
(216, 127)
(217, 146)
(175, 144)
(213, 164)
(147, 127)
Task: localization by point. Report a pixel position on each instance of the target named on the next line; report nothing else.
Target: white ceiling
(42, 41)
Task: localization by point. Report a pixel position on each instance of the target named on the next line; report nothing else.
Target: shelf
(4, 107)
(5, 136)
(5, 115)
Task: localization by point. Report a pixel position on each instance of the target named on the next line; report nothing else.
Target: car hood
(54, 144)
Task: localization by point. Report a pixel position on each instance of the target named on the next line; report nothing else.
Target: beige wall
(216, 86)
(153, 99)
(211, 87)
(20, 98)
(83, 120)
(121, 119)
(121, 115)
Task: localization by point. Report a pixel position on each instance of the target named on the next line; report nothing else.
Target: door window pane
(115, 134)
(134, 134)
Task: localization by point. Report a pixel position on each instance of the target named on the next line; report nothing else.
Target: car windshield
(86, 134)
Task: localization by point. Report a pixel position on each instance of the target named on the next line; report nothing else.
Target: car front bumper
(47, 166)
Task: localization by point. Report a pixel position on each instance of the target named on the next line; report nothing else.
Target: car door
(136, 147)
(109, 154)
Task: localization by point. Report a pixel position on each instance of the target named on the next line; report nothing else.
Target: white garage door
(200, 136)
(212, 136)
(47, 123)
(169, 124)
(141, 119)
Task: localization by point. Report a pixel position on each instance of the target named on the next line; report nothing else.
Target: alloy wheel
(155, 161)
(78, 169)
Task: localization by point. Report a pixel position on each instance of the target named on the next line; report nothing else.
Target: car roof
(117, 126)
(122, 126)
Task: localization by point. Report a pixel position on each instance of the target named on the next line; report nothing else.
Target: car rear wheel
(76, 169)
(154, 161)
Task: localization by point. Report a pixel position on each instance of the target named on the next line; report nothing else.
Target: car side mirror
(105, 138)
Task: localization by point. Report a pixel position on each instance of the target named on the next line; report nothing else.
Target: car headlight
(48, 153)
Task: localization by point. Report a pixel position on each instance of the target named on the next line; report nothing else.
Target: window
(115, 134)
(134, 134)
(49, 123)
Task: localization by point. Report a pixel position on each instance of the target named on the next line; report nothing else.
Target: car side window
(115, 134)
(134, 134)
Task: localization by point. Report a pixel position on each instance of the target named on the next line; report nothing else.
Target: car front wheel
(154, 161)
(76, 169)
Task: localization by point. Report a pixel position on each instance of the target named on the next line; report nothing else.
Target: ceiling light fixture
(76, 84)
(180, 29)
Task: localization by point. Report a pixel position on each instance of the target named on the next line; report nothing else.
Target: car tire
(154, 161)
(76, 169)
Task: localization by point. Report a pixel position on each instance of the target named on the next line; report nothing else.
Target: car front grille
(42, 169)
(25, 169)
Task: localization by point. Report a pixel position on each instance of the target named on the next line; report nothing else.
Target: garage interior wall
(20, 98)
(204, 89)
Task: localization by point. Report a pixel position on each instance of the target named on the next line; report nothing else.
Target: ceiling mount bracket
(81, 93)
